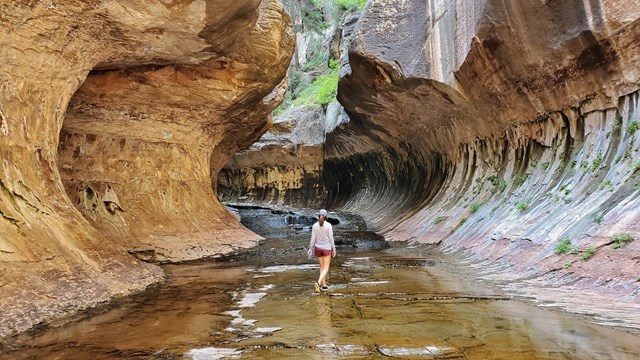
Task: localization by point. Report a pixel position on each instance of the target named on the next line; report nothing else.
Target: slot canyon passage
(162, 163)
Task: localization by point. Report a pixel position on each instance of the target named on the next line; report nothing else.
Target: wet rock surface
(404, 301)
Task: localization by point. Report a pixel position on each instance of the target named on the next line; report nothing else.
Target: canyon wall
(113, 117)
(506, 130)
(285, 166)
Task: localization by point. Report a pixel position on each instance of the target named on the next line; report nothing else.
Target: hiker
(323, 246)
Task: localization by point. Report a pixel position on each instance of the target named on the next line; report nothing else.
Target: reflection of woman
(323, 246)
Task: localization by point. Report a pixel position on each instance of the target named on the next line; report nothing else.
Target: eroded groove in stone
(469, 131)
(147, 101)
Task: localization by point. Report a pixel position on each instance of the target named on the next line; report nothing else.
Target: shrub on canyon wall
(323, 89)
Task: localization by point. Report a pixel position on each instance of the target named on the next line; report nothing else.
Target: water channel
(403, 301)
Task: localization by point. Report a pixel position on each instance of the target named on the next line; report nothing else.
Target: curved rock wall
(160, 86)
(285, 165)
(500, 128)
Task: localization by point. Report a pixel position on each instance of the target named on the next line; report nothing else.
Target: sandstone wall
(116, 107)
(500, 128)
(285, 166)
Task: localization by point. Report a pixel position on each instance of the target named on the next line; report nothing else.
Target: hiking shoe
(317, 287)
(324, 287)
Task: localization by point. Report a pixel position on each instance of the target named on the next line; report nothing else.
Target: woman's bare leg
(321, 262)
(324, 269)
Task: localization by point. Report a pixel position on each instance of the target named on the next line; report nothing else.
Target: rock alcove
(498, 129)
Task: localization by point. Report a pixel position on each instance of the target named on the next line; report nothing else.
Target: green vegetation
(477, 188)
(502, 185)
(567, 200)
(595, 165)
(343, 4)
(438, 220)
(523, 205)
(313, 19)
(588, 254)
(597, 217)
(606, 184)
(633, 127)
(563, 247)
(627, 152)
(520, 180)
(463, 220)
(351, 4)
(499, 184)
(620, 239)
(616, 125)
(544, 166)
(474, 207)
(323, 89)
(568, 264)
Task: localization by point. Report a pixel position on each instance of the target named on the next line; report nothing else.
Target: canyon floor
(387, 300)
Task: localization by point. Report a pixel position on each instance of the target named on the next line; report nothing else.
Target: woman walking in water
(323, 246)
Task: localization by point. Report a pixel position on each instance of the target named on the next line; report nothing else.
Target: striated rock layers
(116, 107)
(283, 167)
(502, 129)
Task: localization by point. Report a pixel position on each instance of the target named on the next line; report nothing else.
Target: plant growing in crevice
(584, 164)
(564, 246)
(477, 188)
(474, 207)
(544, 166)
(597, 217)
(597, 162)
(621, 239)
(438, 220)
(351, 4)
(523, 205)
(633, 127)
(463, 220)
(520, 180)
(588, 254)
(616, 125)
(606, 184)
(323, 89)
(568, 264)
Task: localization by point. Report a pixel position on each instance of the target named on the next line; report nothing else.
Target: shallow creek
(401, 301)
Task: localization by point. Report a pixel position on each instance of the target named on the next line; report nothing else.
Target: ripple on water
(283, 268)
(429, 351)
(211, 353)
(251, 299)
(244, 326)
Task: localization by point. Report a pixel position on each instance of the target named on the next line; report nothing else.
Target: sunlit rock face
(499, 128)
(110, 112)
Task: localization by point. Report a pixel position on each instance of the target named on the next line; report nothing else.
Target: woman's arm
(333, 244)
(313, 238)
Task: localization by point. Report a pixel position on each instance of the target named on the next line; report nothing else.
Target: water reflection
(381, 305)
